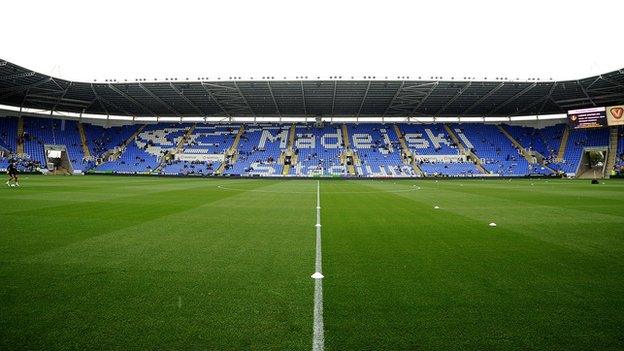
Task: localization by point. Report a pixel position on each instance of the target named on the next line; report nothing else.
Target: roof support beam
(24, 99)
(593, 82)
(396, 93)
(273, 97)
(188, 101)
(585, 92)
(543, 100)
(513, 98)
(60, 98)
(448, 103)
(611, 81)
(132, 100)
(159, 100)
(244, 99)
(334, 97)
(363, 99)
(424, 98)
(600, 97)
(18, 89)
(305, 110)
(101, 99)
(483, 98)
(204, 86)
(549, 97)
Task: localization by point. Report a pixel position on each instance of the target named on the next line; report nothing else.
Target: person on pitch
(12, 172)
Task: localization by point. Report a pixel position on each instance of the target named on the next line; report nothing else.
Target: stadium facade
(340, 127)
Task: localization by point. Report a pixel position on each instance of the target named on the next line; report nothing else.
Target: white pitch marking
(318, 337)
(492, 224)
(317, 275)
(436, 207)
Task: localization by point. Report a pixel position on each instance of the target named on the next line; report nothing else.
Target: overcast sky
(87, 40)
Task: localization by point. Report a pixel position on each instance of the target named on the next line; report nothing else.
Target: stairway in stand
(20, 136)
(231, 154)
(347, 152)
(83, 139)
(612, 151)
(408, 156)
(532, 157)
(114, 154)
(185, 138)
(464, 151)
(289, 152)
(563, 144)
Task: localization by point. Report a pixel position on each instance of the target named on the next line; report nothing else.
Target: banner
(615, 115)
(200, 157)
(594, 117)
(440, 158)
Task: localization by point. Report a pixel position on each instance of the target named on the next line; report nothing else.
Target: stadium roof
(372, 97)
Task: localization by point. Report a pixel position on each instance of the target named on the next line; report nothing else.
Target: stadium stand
(39, 132)
(375, 148)
(100, 140)
(378, 150)
(142, 155)
(259, 150)
(8, 138)
(205, 140)
(578, 141)
(497, 153)
(318, 151)
(619, 161)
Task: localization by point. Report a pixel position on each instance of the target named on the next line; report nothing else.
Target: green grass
(119, 263)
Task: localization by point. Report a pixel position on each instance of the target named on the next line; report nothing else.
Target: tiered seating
(533, 140)
(378, 149)
(551, 137)
(211, 139)
(100, 139)
(497, 153)
(191, 168)
(8, 138)
(619, 160)
(259, 150)
(41, 131)
(530, 138)
(465, 169)
(318, 151)
(580, 139)
(8, 133)
(142, 154)
(428, 139)
(204, 140)
(433, 140)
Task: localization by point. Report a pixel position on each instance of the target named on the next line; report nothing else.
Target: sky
(154, 40)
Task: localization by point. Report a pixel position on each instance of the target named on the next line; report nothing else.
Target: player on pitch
(12, 172)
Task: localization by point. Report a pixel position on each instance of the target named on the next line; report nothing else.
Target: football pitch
(138, 263)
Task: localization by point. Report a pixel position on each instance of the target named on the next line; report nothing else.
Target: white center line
(318, 339)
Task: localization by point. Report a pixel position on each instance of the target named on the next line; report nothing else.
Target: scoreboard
(594, 117)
